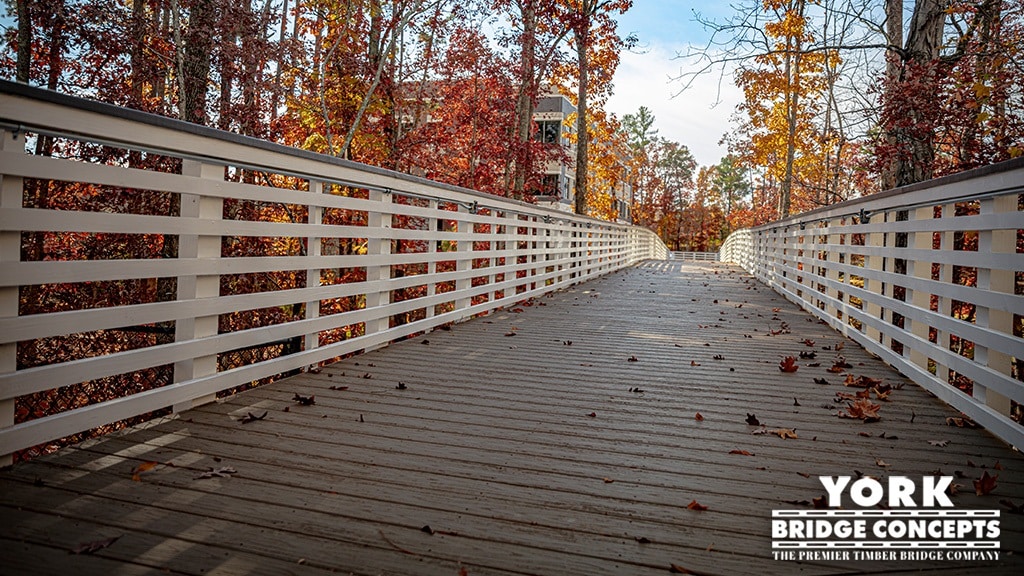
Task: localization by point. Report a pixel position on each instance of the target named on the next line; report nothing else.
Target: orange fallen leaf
(741, 452)
(788, 364)
(694, 363)
(608, 480)
(784, 433)
(141, 468)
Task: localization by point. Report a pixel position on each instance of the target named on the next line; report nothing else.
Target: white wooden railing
(695, 256)
(928, 277)
(474, 252)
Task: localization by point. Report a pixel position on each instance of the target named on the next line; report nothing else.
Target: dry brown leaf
(699, 417)
(741, 452)
(986, 484)
(94, 546)
(784, 433)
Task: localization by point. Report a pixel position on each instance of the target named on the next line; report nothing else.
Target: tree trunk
(526, 98)
(198, 47)
(581, 116)
(923, 43)
(24, 41)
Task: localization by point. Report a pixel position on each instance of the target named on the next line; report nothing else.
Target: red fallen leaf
(808, 342)
(788, 364)
(592, 415)
(694, 363)
(752, 420)
(138, 470)
(962, 422)
(699, 417)
(94, 546)
(741, 452)
(516, 310)
(986, 484)
(694, 505)
(776, 310)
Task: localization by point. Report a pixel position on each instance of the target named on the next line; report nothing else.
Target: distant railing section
(695, 256)
(179, 261)
(928, 277)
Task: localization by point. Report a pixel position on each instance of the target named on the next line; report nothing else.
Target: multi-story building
(559, 181)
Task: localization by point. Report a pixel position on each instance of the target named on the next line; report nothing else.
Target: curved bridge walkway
(559, 437)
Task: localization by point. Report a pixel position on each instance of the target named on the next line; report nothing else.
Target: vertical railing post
(434, 225)
(195, 247)
(313, 253)
(378, 223)
(876, 264)
(919, 298)
(464, 249)
(11, 191)
(1000, 281)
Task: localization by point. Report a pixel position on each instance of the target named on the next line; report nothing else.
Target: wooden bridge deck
(523, 454)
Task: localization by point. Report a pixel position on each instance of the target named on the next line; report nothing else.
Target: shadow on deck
(559, 437)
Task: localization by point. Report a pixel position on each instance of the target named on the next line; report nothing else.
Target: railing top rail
(995, 179)
(386, 180)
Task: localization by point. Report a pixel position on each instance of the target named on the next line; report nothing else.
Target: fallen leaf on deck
(694, 505)
(1014, 508)
(808, 342)
(699, 417)
(632, 359)
(821, 381)
(510, 334)
(718, 357)
(607, 480)
(567, 342)
(367, 376)
(338, 388)
(222, 472)
(985, 484)
(804, 355)
(939, 443)
(427, 530)
(94, 546)
(862, 409)
(642, 539)
(881, 463)
(819, 502)
(741, 452)
(788, 364)
(592, 415)
(304, 400)
(141, 468)
(962, 422)
(752, 420)
(401, 386)
(796, 402)
(694, 363)
(250, 417)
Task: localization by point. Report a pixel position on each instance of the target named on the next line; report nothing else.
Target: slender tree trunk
(24, 65)
(197, 51)
(582, 136)
(282, 61)
(526, 98)
(893, 68)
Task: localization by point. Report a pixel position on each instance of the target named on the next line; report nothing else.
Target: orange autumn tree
(785, 91)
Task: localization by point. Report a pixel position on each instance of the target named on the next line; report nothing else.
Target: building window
(548, 131)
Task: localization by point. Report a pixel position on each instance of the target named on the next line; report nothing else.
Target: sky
(699, 116)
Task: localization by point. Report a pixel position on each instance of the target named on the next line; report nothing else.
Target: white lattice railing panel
(241, 260)
(930, 278)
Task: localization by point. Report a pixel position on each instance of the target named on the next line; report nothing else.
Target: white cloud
(696, 118)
